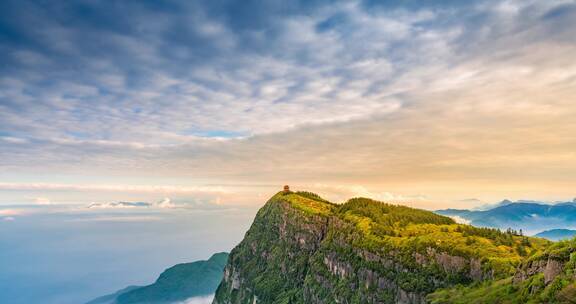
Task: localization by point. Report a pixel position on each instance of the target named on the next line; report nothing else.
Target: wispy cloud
(114, 188)
(117, 218)
(9, 212)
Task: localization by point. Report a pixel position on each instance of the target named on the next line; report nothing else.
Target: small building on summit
(286, 188)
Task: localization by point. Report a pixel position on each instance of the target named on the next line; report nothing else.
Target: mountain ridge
(304, 249)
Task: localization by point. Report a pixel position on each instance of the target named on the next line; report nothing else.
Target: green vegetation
(388, 227)
(306, 201)
(548, 276)
(391, 215)
(303, 249)
(312, 196)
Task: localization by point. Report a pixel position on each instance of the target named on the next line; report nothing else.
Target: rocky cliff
(303, 249)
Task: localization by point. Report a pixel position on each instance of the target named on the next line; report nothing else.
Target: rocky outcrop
(275, 251)
(550, 268)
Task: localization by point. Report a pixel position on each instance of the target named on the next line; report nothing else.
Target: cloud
(166, 203)
(42, 201)
(10, 212)
(460, 220)
(198, 300)
(9, 215)
(293, 79)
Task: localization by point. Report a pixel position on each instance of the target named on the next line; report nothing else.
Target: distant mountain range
(111, 298)
(531, 217)
(175, 284)
(557, 234)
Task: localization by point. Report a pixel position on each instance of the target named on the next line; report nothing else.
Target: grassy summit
(308, 202)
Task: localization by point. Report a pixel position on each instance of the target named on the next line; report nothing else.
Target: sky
(430, 102)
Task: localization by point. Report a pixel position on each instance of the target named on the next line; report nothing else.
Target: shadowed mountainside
(557, 234)
(176, 283)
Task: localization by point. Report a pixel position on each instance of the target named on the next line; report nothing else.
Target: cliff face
(548, 277)
(302, 249)
(273, 260)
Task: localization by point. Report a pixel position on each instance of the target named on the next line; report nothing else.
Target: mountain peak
(303, 249)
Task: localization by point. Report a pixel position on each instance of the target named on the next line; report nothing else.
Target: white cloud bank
(198, 300)
(166, 203)
(459, 219)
